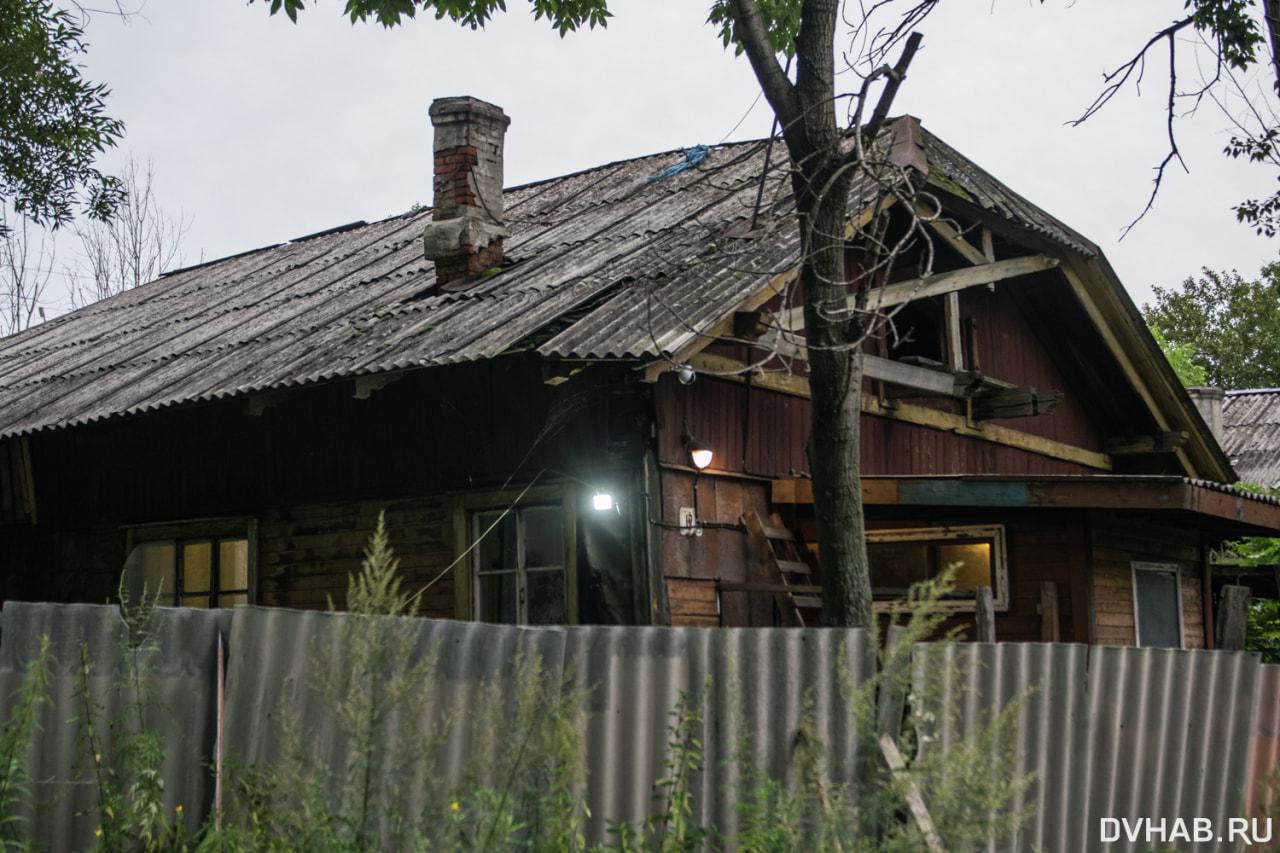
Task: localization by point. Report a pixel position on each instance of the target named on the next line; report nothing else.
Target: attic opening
(915, 333)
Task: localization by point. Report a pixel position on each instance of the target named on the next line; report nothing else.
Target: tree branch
(755, 42)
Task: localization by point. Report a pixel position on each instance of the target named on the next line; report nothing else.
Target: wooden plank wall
(307, 552)
(693, 564)
(1117, 544)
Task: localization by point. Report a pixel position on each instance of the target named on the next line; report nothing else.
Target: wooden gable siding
(1009, 349)
(764, 433)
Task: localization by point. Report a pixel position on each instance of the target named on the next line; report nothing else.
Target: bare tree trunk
(821, 181)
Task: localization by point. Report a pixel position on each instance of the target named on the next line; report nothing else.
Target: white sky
(261, 130)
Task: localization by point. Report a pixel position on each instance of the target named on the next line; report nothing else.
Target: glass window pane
(197, 564)
(1158, 604)
(201, 601)
(546, 597)
(498, 598)
(543, 536)
(158, 570)
(233, 564)
(497, 550)
(897, 565)
(232, 600)
(974, 559)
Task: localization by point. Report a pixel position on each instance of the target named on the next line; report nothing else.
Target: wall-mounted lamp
(602, 501)
(685, 373)
(700, 453)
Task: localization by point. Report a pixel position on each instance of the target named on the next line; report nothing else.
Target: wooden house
(519, 378)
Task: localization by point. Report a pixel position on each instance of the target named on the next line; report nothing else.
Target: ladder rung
(780, 534)
(807, 601)
(795, 567)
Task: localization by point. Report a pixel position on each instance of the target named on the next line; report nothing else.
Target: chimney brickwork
(465, 235)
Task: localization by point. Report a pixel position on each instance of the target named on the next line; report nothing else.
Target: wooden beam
(736, 371)
(923, 416)
(915, 800)
(1233, 618)
(1162, 442)
(984, 614)
(1048, 612)
(1014, 403)
(956, 240)
(909, 375)
(961, 279)
(892, 295)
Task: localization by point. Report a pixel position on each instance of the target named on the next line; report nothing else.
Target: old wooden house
(523, 380)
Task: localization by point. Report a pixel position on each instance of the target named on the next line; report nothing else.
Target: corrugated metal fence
(1107, 732)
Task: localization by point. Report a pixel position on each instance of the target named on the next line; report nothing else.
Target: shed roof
(1251, 434)
(602, 264)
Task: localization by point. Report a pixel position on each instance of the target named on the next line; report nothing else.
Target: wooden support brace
(1233, 618)
(984, 613)
(1161, 442)
(1014, 403)
(915, 800)
(1049, 612)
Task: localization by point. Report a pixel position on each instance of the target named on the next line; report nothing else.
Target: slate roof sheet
(607, 264)
(1251, 434)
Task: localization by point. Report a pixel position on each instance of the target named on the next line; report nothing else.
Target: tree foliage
(1182, 358)
(1232, 326)
(52, 121)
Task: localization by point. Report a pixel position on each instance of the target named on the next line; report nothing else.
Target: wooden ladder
(782, 572)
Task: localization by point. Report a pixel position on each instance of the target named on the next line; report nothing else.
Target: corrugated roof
(605, 264)
(1251, 434)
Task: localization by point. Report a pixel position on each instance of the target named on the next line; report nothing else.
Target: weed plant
(15, 748)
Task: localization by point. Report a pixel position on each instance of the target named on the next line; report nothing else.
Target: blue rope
(692, 157)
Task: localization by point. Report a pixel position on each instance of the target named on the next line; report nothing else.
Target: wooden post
(985, 615)
(1049, 612)
(1233, 617)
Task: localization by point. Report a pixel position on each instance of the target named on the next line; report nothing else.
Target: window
(1157, 605)
(900, 558)
(521, 556)
(196, 564)
(520, 565)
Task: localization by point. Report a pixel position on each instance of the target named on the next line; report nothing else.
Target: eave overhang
(1222, 509)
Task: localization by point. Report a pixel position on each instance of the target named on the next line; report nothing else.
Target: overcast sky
(261, 130)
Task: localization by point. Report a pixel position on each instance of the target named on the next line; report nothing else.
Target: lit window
(203, 565)
(900, 558)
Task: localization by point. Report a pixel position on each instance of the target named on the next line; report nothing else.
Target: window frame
(196, 530)
(467, 504)
(1156, 568)
(1000, 592)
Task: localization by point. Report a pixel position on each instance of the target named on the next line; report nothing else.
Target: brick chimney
(465, 235)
